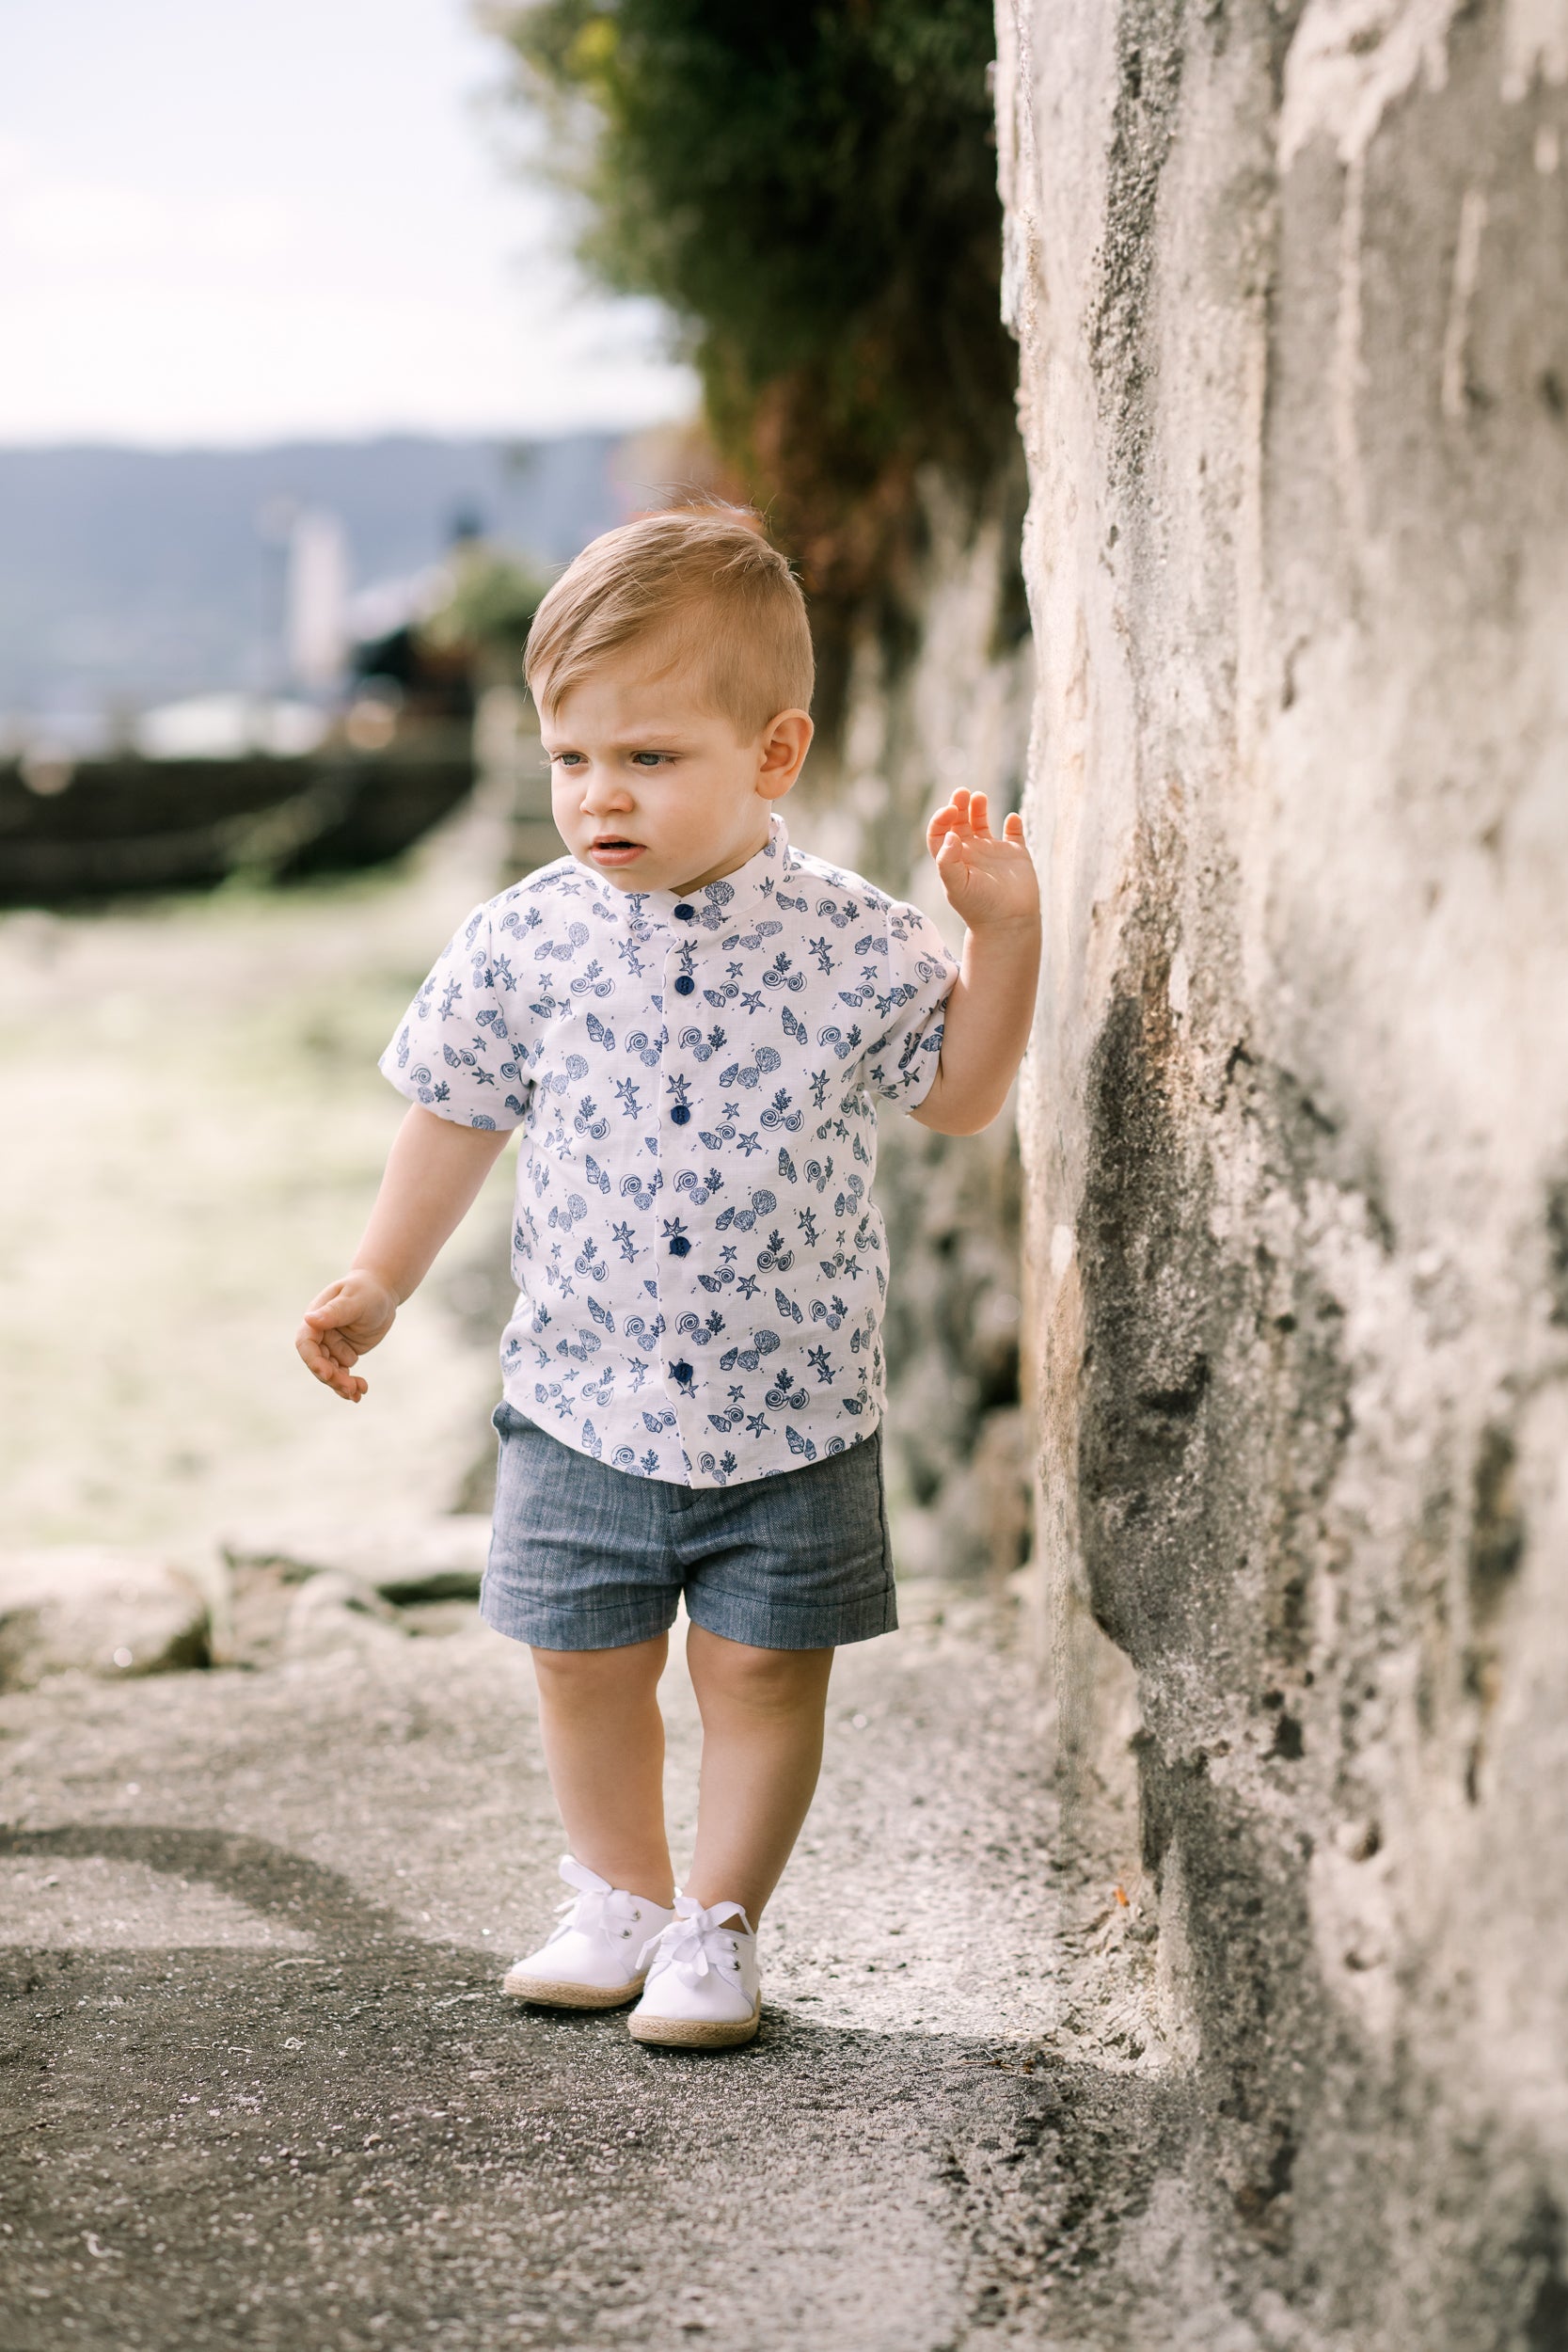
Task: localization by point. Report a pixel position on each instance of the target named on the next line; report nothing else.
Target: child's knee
(594, 1678)
(765, 1681)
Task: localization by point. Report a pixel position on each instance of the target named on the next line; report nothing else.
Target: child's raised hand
(342, 1323)
(988, 880)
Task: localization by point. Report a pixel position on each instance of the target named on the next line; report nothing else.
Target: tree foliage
(810, 187)
(488, 601)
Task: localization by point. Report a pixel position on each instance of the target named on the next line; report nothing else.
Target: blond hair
(702, 580)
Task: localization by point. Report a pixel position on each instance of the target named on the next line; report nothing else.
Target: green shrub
(489, 603)
(810, 187)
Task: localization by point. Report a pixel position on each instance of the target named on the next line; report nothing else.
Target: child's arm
(991, 884)
(433, 1174)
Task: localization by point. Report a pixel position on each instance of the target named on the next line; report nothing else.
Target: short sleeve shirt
(700, 1267)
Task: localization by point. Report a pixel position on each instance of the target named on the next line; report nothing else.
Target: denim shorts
(584, 1557)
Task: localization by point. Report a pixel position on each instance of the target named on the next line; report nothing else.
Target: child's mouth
(614, 850)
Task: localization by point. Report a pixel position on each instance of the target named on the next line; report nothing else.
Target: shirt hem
(567, 1433)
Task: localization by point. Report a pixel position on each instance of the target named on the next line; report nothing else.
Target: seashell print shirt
(700, 1267)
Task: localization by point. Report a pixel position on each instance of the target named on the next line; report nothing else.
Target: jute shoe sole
(546, 1994)
(696, 2033)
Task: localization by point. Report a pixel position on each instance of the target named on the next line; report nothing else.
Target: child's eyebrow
(643, 739)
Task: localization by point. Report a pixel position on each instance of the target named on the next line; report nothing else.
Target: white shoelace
(692, 1944)
(599, 1908)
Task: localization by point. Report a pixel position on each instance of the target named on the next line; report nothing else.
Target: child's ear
(786, 741)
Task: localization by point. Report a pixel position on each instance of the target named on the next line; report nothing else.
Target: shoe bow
(683, 1945)
(598, 1905)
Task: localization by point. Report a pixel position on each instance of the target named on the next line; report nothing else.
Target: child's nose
(603, 792)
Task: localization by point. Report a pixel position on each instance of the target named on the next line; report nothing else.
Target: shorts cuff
(763, 1626)
(546, 1626)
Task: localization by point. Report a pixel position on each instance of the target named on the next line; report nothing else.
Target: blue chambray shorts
(582, 1557)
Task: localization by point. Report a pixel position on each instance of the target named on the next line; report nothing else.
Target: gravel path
(259, 2089)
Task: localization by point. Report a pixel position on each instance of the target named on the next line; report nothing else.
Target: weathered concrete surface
(258, 2087)
(1291, 288)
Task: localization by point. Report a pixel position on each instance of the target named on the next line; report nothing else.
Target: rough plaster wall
(1291, 288)
(939, 679)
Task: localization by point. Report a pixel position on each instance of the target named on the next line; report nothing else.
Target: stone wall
(1291, 284)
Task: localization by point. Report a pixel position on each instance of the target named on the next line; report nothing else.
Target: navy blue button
(685, 985)
(679, 1113)
(686, 915)
(679, 1245)
(682, 1373)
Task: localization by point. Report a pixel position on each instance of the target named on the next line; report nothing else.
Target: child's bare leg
(603, 1745)
(762, 1749)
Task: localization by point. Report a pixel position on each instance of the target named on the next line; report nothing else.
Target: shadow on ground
(364, 2146)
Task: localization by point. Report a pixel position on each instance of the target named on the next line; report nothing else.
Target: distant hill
(135, 576)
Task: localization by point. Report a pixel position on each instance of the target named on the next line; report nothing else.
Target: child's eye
(649, 759)
(564, 760)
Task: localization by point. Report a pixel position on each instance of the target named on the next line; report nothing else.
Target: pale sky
(225, 221)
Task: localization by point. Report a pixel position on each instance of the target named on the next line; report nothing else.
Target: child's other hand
(341, 1324)
(987, 880)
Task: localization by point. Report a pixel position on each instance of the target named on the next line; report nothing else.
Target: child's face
(653, 789)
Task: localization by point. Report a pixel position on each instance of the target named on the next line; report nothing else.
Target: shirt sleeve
(918, 972)
(461, 1049)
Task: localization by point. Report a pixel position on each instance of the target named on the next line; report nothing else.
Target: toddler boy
(691, 1022)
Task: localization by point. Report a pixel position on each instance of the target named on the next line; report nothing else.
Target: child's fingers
(343, 1301)
(978, 806)
(318, 1355)
(322, 1312)
(324, 1324)
(958, 814)
(1013, 829)
(322, 1360)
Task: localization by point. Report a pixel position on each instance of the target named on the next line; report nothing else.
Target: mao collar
(736, 897)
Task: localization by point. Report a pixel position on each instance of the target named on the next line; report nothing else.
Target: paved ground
(256, 2087)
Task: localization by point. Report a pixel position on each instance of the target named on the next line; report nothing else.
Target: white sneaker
(702, 1991)
(594, 1960)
